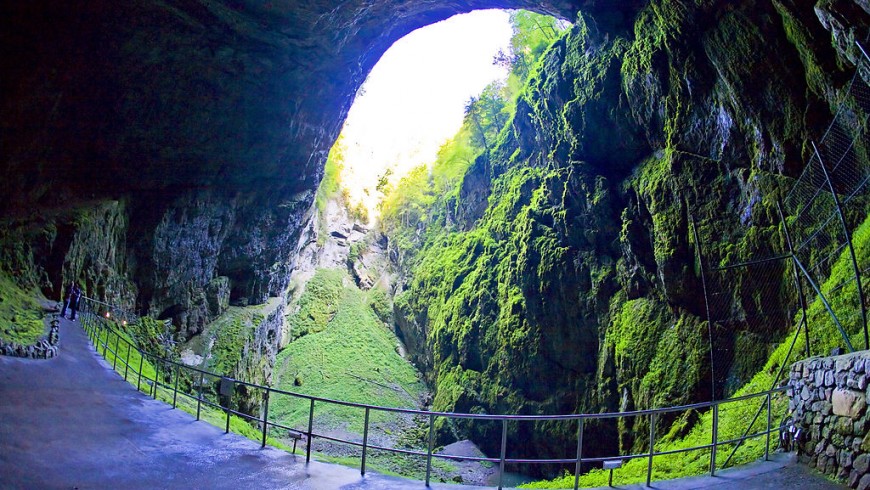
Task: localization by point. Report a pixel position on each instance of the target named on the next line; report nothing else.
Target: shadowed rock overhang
(148, 96)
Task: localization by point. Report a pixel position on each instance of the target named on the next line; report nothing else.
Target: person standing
(66, 301)
(74, 301)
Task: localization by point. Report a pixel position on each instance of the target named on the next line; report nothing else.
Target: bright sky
(414, 98)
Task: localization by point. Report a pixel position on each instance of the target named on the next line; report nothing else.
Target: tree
(486, 114)
(532, 34)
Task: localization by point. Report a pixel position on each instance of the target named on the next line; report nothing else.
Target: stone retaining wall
(829, 397)
(44, 348)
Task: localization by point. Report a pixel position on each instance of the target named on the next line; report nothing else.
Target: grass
(21, 316)
(351, 356)
(347, 353)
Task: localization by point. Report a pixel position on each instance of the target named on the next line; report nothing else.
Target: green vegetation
(21, 316)
(841, 291)
(551, 261)
(318, 304)
(231, 331)
(343, 350)
(351, 356)
(734, 416)
(330, 185)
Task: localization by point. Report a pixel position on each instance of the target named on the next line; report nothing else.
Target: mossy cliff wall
(202, 127)
(577, 287)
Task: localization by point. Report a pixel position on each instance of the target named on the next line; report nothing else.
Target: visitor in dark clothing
(66, 300)
(74, 301)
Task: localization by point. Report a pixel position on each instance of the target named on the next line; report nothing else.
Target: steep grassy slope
(351, 356)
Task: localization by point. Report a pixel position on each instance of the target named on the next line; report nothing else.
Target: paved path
(72, 423)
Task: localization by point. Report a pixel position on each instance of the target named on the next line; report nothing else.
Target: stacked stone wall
(829, 398)
(44, 348)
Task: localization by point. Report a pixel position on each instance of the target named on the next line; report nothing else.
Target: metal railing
(97, 316)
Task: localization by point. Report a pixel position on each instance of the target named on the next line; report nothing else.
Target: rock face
(192, 134)
(568, 278)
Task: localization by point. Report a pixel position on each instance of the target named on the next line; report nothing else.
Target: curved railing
(94, 320)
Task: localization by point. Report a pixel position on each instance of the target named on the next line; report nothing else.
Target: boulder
(848, 403)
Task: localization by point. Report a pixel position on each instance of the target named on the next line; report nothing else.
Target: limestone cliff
(565, 275)
(209, 122)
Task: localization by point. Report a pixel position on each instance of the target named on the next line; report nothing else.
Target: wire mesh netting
(820, 269)
(808, 296)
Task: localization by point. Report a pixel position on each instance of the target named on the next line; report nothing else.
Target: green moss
(21, 316)
(636, 329)
(379, 301)
(817, 75)
(231, 332)
(536, 276)
(318, 303)
(734, 416)
(841, 292)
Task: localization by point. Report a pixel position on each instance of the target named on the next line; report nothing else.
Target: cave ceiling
(105, 98)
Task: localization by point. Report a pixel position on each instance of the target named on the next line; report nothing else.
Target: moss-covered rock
(579, 287)
(21, 316)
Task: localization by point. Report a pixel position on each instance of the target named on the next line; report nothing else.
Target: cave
(208, 123)
(167, 155)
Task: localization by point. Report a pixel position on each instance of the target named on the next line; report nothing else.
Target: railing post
(199, 397)
(767, 443)
(156, 376)
(362, 469)
(175, 388)
(503, 452)
(139, 381)
(579, 453)
(431, 447)
(227, 409)
(715, 441)
(265, 417)
(652, 444)
(115, 357)
(127, 362)
(310, 431)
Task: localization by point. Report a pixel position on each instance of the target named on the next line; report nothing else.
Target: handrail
(89, 315)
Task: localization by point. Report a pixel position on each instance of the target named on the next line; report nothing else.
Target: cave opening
(435, 106)
(431, 85)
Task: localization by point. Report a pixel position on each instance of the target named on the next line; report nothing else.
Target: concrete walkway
(72, 423)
